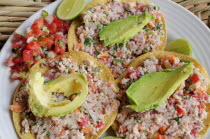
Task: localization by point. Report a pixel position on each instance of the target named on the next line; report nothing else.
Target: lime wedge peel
(70, 9)
(181, 46)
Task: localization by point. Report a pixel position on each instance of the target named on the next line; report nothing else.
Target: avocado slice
(40, 94)
(153, 89)
(121, 31)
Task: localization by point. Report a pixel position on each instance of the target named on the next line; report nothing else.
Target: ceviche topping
(45, 38)
(88, 118)
(119, 56)
(181, 115)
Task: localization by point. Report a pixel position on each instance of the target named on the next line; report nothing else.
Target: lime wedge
(181, 46)
(70, 9)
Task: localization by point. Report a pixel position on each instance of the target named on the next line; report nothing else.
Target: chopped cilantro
(177, 120)
(70, 116)
(44, 14)
(121, 45)
(106, 13)
(88, 41)
(155, 105)
(43, 49)
(157, 8)
(97, 52)
(90, 20)
(118, 60)
(158, 26)
(26, 117)
(48, 134)
(145, 51)
(41, 124)
(99, 68)
(146, 28)
(34, 123)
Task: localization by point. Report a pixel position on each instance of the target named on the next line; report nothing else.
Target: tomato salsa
(47, 37)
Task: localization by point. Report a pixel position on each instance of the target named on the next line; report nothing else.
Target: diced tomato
(84, 121)
(66, 26)
(15, 45)
(59, 50)
(131, 71)
(52, 28)
(38, 32)
(18, 60)
(27, 56)
(180, 111)
(58, 22)
(58, 37)
(142, 8)
(171, 101)
(195, 78)
(201, 105)
(33, 45)
(161, 137)
(100, 124)
(47, 42)
(39, 23)
(17, 38)
(194, 132)
(201, 96)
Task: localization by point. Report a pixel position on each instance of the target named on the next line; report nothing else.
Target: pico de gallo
(47, 37)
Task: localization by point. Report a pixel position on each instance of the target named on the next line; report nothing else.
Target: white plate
(180, 23)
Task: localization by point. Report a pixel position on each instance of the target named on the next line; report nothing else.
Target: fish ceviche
(89, 118)
(47, 37)
(181, 115)
(118, 57)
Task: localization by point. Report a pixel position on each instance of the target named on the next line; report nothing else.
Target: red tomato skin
(84, 121)
(27, 56)
(33, 45)
(195, 78)
(52, 28)
(39, 23)
(161, 137)
(100, 124)
(180, 111)
(58, 22)
(17, 38)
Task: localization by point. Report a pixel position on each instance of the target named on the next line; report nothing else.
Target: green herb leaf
(118, 60)
(89, 41)
(106, 13)
(100, 26)
(177, 120)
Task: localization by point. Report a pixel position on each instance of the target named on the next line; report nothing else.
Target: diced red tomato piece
(195, 78)
(27, 56)
(33, 45)
(201, 105)
(15, 45)
(58, 22)
(52, 28)
(38, 32)
(201, 96)
(171, 101)
(84, 121)
(17, 38)
(66, 26)
(100, 124)
(47, 42)
(18, 60)
(39, 23)
(161, 137)
(131, 71)
(180, 111)
(194, 132)
(158, 15)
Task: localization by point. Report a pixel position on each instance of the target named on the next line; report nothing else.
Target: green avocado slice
(40, 94)
(151, 90)
(121, 31)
